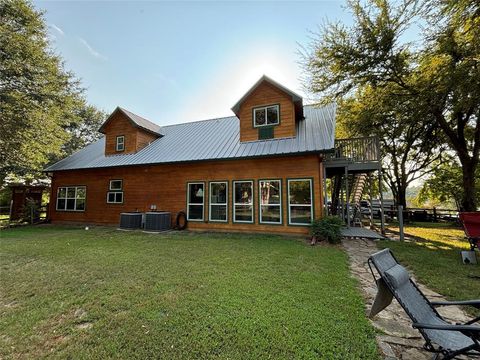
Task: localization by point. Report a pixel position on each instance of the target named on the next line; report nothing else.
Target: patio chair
(471, 226)
(444, 339)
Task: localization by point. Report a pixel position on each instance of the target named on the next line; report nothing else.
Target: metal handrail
(362, 149)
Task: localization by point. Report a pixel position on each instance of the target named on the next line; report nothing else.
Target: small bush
(30, 211)
(327, 228)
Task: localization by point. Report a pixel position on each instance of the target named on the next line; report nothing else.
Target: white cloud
(56, 28)
(91, 50)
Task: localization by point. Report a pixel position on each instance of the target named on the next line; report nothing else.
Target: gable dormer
(268, 111)
(127, 133)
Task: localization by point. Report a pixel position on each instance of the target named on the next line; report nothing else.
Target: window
(266, 116)
(270, 201)
(115, 185)
(115, 195)
(300, 204)
(243, 201)
(120, 146)
(195, 201)
(71, 198)
(218, 201)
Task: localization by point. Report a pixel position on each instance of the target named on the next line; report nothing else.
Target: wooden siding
(144, 138)
(166, 185)
(267, 94)
(135, 138)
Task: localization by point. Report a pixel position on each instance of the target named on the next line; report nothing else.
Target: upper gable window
(266, 116)
(120, 145)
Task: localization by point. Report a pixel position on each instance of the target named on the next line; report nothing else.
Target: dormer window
(120, 145)
(266, 116)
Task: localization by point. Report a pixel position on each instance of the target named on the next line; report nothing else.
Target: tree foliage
(404, 134)
(438, 77)
(445, 184)
(41, 104)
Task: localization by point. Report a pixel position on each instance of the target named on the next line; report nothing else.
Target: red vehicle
(471, 225)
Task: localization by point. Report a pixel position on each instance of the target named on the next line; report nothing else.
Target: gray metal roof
(212, 140)
(136, 120)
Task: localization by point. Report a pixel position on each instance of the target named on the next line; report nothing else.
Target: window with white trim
(195, 201)
(243, 201)
(270, 207)
(120, 143)
(300, 201)
(218, 203)
(266, 116)
(115, 193)
(71, 198)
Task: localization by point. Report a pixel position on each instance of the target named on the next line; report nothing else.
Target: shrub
(327, 228)
(30, 211)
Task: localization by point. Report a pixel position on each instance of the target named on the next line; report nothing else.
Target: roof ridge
(141, 117)
(204, 120)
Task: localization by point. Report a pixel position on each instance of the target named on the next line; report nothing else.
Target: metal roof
(212, 140)
(295, 96)
(136, 120)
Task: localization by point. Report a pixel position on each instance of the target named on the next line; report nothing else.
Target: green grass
(436, 261)
(71, 293)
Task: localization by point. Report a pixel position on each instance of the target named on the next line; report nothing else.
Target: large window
(243, 201)
(300, 204)
(120, 144)
(270, 201)
(71, 198)
(115, 193)
(218, 201)
(195, 201)
(266, 116)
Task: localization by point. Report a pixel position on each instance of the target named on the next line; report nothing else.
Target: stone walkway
(399, 340)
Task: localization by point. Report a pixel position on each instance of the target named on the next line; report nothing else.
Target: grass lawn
(435, 259)
(71, 293)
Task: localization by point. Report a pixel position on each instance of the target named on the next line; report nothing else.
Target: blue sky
(174, 62)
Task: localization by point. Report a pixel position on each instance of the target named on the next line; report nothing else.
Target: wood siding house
(260, 170)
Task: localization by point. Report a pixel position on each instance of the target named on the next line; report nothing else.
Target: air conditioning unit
(157, 221)
(131, 221)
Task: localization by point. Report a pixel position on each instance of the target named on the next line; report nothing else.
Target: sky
(174, 62)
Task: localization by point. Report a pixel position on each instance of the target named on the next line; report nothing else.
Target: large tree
(404, 134)
(42, 110)
(440, 75)
(84, 131)
(445, 184)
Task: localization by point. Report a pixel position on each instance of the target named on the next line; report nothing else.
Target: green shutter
(265, 132)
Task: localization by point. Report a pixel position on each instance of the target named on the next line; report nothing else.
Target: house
(260, 170)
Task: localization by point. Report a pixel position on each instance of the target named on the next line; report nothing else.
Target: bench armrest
(469, 329)
(474, 303)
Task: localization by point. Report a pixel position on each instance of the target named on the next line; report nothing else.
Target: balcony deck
(357, 155)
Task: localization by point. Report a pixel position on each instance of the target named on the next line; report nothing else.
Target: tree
(43, 112)
(404, 134)
(439, 76)
(445, 184)
(85, 131)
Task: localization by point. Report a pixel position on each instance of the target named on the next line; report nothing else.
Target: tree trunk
(468, 198)
(401, 198)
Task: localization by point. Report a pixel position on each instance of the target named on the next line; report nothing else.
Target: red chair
(471, 225)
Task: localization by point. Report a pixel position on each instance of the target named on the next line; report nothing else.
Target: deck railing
(363, 149)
